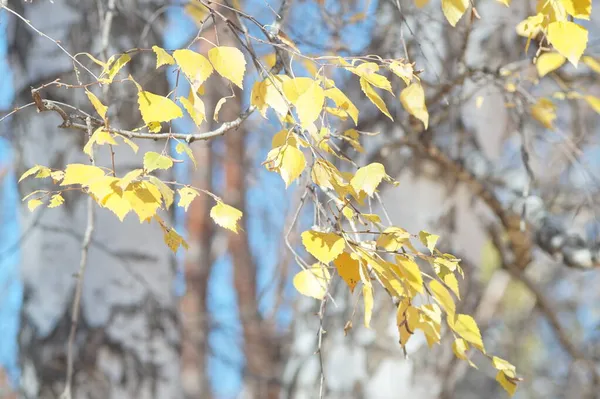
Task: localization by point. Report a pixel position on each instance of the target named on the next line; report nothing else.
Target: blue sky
(10, 285)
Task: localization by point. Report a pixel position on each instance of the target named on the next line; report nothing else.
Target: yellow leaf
(155, 108)
(173, 239)
(454, 10)
(452, 283)
(220, 103)
(165, 191)
(186, 196)
(343, 102)
(197, 12)
(569, 39)
(129, 178)
(112, 68)
(531, 26)
(374, 97)
(56, 200)
(288, 161)
(145, 199)
(323, 246)
(443, 297)
(352, 136)
(505, 2)
(549, 62)
(81, 174)
(465, 326)
(393, 238)
(421, 3)
(154, 160)
(507, 384)
(98, 106)
(411, 272)
(368, 298)
(100, 137)
(116, 202)
(580, 9)
(428, 239)
(591, 63)
(403, 70)
(502, 365)
(544, 111)
(413, 101)
(182, 147)
(367, 71)
(226, 216)
(347, 266)
(294, 88)
(460, 348)
(162, 57)
(32, 204)
(229, 62)
(594, 102)
(38, 170)
(310, 104)
(284, 137)
(57, 176)
(368, 178)
(194, 107)
(131, 144)
(195, 66)
(313, 281)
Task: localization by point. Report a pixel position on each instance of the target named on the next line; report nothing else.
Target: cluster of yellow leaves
(311, 96)
(137, 191)
(391, 259)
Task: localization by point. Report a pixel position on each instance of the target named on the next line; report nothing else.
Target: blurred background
(222, 319)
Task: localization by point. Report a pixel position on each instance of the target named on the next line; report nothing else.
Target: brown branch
(68, 122)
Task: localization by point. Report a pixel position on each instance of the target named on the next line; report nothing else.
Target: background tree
(469, 141)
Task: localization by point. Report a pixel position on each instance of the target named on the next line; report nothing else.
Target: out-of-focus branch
(547, 231)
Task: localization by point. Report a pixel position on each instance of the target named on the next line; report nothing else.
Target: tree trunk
(127, 340)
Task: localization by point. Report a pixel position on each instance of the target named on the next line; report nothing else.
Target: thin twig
(87, 239)
(16, 14)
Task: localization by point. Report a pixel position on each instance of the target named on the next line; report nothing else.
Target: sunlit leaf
(98, 106)
(33, 204)
(544, 111)
(454, 10)
(154, 160)
(155, 108)
(194, 107)
(162, 57)
(81, 174)
(288, 161)
(549, 62)
(413, 101)
(312, 281)
(186, 196)
(229, 62)
(374, 97)
(343, 102)
(182, 147)
(323, 246)
(195, 66)
(443, 297)
(226, 216)
(347, 266)
(465, 326)
(367, 178)
(428, 239)
(368, 299)
(569, 39)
